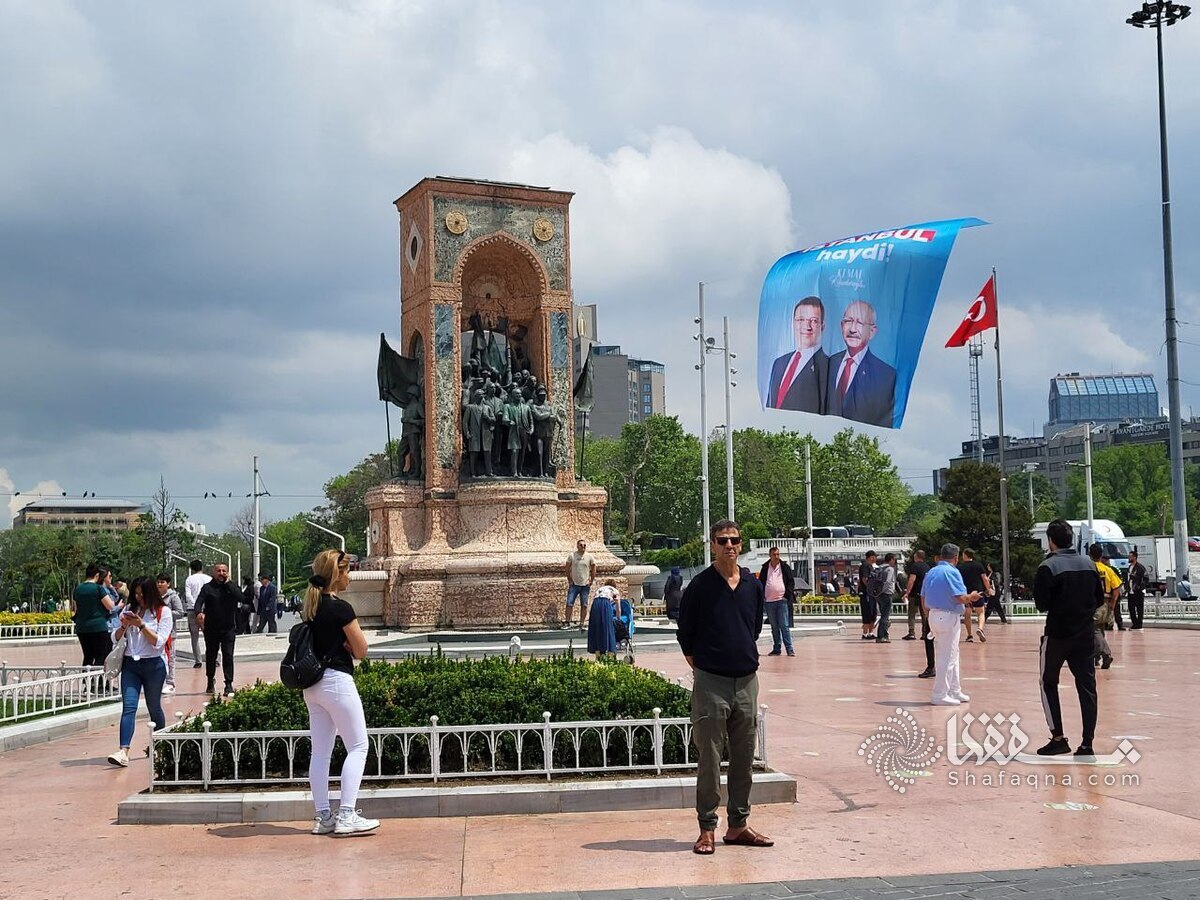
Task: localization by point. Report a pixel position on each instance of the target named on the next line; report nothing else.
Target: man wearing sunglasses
(720, 619)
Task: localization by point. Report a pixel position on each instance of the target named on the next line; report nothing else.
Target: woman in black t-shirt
(334, 707)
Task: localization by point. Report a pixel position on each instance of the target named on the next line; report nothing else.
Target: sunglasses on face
(725, 541)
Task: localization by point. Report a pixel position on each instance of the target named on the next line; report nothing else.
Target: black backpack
(301, 667)
(876, 583)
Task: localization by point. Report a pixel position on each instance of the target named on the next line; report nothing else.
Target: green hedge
(54, 618)
(459, 692)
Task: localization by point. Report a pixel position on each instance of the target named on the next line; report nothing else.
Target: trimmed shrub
(54, 618)
(485, 691)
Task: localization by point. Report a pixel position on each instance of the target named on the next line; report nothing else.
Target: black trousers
(926, 637)
(1117, 615)
(1079, 655)
(1137, 609)
(223, 641)
(995, 605)
(267, 621)
(95, 646)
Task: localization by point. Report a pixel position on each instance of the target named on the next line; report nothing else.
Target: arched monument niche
(472, 550)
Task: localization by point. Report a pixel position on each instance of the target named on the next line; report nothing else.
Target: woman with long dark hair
(146, 624)
(334, 707)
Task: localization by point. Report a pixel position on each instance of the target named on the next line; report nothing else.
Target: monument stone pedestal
(489, 262)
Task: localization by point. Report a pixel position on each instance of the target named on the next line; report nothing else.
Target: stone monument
(476, 533)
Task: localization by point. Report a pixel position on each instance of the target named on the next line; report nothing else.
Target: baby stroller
(624, 627)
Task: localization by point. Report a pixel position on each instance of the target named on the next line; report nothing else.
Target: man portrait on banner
(799, 378)
(861, 386)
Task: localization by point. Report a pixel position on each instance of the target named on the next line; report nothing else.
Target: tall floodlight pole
(255, 553)
(1156, 16)
(812, 553)
(704, 522)
(1087, 476)
(1030, 468)
(729, 384)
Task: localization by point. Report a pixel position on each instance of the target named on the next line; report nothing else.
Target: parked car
(1194, 545)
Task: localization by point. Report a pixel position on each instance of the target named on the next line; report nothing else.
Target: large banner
(840, 325)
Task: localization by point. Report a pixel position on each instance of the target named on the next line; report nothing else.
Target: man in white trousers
(943, 595)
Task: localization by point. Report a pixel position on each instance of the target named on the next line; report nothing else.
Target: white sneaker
(351, 823)
(120, 758)
(961, 697)
(944, 701)
(168, 689)
(324, 824)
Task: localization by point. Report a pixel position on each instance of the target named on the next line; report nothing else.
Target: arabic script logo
(898, 749)
(995, 745)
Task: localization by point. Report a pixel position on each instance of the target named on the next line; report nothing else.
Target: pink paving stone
(847, 821)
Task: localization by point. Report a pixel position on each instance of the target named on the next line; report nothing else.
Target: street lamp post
(328, 531)
(225, 553)
(1030, 468)
(1158, 16)
(704, 516)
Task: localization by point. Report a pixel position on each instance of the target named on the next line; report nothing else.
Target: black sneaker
(210, 688)
(909, 637)
(1107, 662)
(928, 673)
(1056, 747)
(1085, 750)
(868, 637)
(195, 665)
(775, 653)
(228, 690)
(880, 640)
(982, 639)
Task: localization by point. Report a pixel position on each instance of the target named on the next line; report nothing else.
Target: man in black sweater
(720, 619)
(1067, 588)
(216, 614)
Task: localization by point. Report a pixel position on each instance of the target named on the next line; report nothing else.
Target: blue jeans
(580, 591)
(137, 674)
(777, 616)
(885, 616)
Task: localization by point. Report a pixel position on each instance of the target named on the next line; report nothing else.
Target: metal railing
(438, 752)
(23, 700)
(797, 548)
(49, 629)
(9, 674)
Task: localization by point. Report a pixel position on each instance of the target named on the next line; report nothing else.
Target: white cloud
(17, 503)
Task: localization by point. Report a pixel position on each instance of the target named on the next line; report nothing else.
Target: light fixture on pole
(228, 556)
(278, 562)
(1030, 468)
(1086, 465)
(341, 539)
(710, 346)
(1158, 16)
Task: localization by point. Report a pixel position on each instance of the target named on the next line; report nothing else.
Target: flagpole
(388, 418)
(1006, 596)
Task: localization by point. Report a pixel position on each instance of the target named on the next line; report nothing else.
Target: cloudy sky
(198, 247)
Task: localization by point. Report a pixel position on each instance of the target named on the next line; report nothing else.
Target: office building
(1101, 400)
(624, 389)
(89, 514)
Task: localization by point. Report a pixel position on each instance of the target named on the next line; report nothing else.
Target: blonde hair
(327, 566)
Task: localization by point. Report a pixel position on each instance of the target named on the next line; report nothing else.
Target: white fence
(51, 629)
(9, 674)
(438, 752)
(22, 700)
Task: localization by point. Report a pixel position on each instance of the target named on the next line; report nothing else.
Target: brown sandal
(706, 844)
(748, 837)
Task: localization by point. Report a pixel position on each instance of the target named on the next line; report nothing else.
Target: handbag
(114, 660)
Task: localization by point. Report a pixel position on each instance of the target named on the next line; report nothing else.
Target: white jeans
(945, 626)
(334, 708)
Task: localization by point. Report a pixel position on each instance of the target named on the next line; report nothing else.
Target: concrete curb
(425, 802)
(51, 728)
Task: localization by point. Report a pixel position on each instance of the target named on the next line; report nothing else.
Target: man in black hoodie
(1067, 588)
(216, 613)
(720, 619)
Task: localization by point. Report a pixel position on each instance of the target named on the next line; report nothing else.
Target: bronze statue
(545, 423)
(413, 434)
(518, 420)
(478, 424)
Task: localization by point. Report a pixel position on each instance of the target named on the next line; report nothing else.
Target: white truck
(1105, 532)
(1157, 554)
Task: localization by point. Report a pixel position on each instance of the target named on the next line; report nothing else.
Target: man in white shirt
(581, 572)
(798, 379)
(191, 590)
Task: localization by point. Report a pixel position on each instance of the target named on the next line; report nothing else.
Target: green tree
(768, 478)
(1045, 494)
(972, 519)
(346, 511)
(924, 514)
(1131, 485)
(855, 481)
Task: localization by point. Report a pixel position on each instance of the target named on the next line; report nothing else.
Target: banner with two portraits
(840, 325)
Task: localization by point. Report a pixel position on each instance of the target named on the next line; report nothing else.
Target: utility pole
(729, 384)
(704, 516)
(255, 553)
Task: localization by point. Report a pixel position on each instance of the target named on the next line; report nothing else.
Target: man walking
(1110, 583)
(945, 596)
(581, 572)
(171, 599)
(995, 603)
(885, 590)
(973, 578)
(1135, 584)
(1068, 590)
(216, 612)
(779, 591)
(915, 571)
(191, 590)
(720, 619)
(866, 603)
(267, 592)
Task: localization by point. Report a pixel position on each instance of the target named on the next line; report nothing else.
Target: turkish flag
(980, 317)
